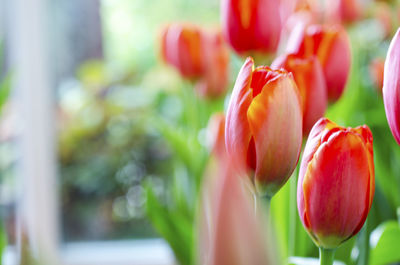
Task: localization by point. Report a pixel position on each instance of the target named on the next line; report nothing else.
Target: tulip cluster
(198, 55)
(272, 108)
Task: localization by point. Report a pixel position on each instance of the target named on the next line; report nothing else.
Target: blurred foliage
(5, 89)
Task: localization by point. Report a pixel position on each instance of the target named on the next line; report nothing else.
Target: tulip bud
(376, 68)
(332, 47)
(263, 130)
(336, 182)
(391, 86)
(252, 25)
(311, 84)
(181, 48)
(216, 66)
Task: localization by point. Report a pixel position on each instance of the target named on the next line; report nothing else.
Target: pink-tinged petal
(275, 120)
(237, 130)
(230, 232)
(391, 86)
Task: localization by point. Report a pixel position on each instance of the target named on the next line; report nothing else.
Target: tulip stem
(326, 256)
(398, 215)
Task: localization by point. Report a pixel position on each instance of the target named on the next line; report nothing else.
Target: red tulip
(332, 47)
(336, 182)
(252, 25)
(311, 84)
(181, 47)
(216, 66)
(391, 86)
(263, 131)
(376, 68)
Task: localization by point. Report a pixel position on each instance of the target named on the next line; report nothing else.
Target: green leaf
(173, 226)
(3, 241)
(385, 243)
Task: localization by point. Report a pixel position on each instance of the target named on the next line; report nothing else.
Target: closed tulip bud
(332, 47)
(310, 81)
(251, 26)
(181, 48)
(336, 182)
(216, 66)
(376, 68)
(391, 86)
(263, 130)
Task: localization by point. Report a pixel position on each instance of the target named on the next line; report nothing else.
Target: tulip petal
(237, 130)
(335, 182)
(391, 86)
(275, 120)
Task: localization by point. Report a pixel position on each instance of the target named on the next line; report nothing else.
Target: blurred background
(103, 146)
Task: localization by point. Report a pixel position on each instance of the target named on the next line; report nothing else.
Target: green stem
(326, 256)
(293, 212)
(398, 215)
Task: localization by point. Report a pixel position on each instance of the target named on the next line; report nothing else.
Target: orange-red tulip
(181, 48)
(263, 131)
(376, 68)
(307, 73)
(252, 25)
(391, 86)
(198, 55)
(216, 66)
(336, 182)
(332, 47)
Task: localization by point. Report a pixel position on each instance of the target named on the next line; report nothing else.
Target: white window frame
(38, 203)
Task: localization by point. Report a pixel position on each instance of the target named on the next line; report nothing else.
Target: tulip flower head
(336, 182)
(199, 56)
(252, 25)
(331, 45)
(391, 86)
(215, 78)
(310, 80)
(263, 129)
(181, 48)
